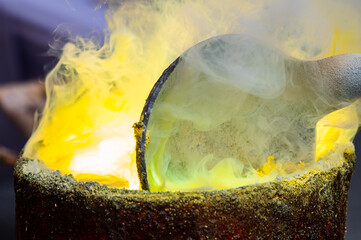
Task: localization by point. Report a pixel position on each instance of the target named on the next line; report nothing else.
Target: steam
(235, 110)
(95, 92)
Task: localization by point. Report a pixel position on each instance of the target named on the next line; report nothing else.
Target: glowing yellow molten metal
(95, 94)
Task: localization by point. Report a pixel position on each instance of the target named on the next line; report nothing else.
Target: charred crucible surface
(50, 205)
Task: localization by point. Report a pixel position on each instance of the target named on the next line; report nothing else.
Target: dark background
(26, 29)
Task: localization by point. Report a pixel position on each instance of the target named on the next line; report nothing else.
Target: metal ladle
(329, 84)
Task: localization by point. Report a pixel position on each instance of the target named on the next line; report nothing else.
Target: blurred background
(28, 29)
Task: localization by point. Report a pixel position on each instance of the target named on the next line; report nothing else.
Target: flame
(96, 93)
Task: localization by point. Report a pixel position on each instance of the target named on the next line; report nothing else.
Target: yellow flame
(96, 94)
(336, 130)
(267, 167)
